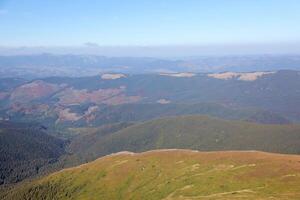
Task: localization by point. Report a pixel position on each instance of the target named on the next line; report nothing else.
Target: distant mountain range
(265, 97)
(44, 65)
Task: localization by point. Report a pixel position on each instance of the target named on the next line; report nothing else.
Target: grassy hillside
(172, 174)
(24, 150)
(190, 132)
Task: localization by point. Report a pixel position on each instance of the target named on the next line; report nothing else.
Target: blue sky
(148, 22)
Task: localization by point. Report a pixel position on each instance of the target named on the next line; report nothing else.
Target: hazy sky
(148, 22)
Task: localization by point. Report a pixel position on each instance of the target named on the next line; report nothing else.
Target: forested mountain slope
(187, 132)
(25, 149)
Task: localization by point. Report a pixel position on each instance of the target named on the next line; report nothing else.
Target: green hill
(143, 112)
(83, 147)
(172, 174)
(189, 132)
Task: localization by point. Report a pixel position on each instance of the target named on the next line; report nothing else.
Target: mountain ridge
(171, 174)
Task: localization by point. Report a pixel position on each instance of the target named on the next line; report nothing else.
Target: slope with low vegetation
(172, 174)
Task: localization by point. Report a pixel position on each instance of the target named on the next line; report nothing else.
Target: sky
(94, 23)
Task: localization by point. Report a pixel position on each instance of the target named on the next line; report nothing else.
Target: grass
(172, 174)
